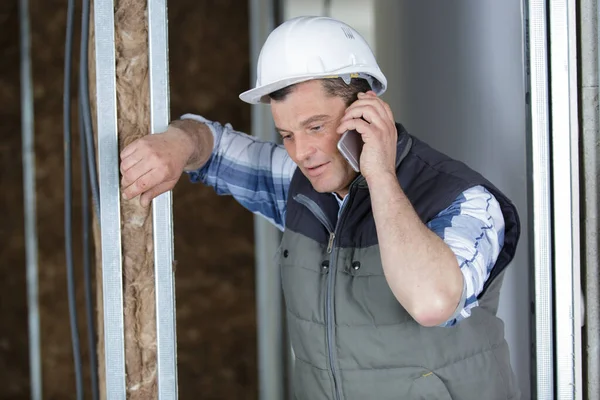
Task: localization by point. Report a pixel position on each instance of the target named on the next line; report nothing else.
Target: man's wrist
(199, 140)
(381, 178)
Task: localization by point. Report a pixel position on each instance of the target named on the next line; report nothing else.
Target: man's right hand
(153, 164)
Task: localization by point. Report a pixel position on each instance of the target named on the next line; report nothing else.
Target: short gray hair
(333, 87)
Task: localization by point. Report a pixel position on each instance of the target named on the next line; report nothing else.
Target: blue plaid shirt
(258, 175)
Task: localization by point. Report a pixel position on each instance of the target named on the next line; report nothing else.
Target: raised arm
(256, 173)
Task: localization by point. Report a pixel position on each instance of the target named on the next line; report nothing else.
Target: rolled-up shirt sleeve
(473, 227)
(256, 173)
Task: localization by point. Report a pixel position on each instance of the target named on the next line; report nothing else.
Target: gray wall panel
(456, 74)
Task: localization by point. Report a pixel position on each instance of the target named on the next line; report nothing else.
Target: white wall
(360, 14)
(456, 75)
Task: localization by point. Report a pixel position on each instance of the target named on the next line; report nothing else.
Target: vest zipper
(329, 322)
(314, 208)
(330, 244)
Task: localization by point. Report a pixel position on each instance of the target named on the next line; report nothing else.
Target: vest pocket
(304, 271)
(428, 386)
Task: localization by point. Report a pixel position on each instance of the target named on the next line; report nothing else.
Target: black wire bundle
(87, 147)
(88, 165)
(84, 98)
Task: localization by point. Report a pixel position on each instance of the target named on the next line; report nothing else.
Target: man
(391, 277)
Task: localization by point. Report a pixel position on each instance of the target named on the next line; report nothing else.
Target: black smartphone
(350, 146)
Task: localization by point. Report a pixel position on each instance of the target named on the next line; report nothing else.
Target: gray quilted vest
(351, 338)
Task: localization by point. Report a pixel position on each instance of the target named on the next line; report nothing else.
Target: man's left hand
(373, 119)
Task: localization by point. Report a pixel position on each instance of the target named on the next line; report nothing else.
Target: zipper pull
(330, 244)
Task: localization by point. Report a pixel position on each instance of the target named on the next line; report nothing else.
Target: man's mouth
(316, 170)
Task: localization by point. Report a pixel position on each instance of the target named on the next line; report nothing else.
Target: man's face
(307, 119)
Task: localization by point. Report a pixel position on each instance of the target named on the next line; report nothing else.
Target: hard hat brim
(259, 94)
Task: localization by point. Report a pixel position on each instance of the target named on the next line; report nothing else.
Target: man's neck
(340, 194)
(339, 198)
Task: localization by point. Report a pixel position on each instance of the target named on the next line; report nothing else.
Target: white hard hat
(306, 48)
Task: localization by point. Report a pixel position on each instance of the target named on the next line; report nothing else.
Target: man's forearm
(200, 139)
(420, 268)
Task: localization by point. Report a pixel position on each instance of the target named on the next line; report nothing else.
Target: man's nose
(304, 148)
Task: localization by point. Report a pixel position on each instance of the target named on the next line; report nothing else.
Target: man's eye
(316, 128)
(286, 137)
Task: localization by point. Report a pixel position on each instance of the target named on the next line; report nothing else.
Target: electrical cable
(88, 165)
(68, 200)
(84, 96)
(87, 272)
